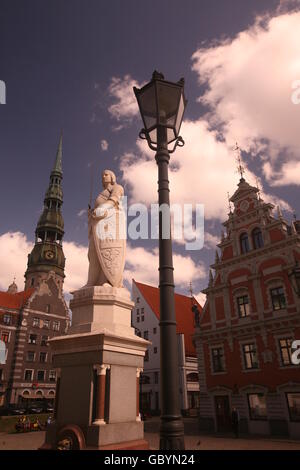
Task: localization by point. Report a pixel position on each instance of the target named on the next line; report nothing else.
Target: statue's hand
(99, 217)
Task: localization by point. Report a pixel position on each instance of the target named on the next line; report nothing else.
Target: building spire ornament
(257, 185)
(217, 258)
(279, 212)
(229, 203)
(211, 278)
(240, 166)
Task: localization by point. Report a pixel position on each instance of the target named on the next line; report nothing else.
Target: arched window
(244, 240)
(257, 238)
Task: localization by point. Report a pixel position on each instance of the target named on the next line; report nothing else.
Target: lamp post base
(171, 433)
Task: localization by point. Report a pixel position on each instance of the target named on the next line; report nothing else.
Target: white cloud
(142, 265)
(104, 145)
(125, 106)
(202, 172)
(81, 212)
(14, 248)
(76, 269)
(210, 241)
(249, 90)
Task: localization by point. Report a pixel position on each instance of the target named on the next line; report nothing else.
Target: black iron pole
(171, 425)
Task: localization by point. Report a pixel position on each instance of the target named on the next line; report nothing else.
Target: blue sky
(71, 66)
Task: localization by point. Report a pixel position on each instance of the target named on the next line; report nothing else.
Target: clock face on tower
(49, 255)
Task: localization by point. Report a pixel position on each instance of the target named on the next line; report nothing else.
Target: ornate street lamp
(162, 105)
(294, 277)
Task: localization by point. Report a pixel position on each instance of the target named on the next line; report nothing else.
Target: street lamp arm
(144, 136)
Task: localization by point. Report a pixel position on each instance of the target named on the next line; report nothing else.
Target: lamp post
(294, 277)
(162, 105)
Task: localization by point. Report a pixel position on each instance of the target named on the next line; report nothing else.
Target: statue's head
(108, 176)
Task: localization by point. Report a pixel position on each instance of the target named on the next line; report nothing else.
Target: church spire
(58, 159)
(47, 254)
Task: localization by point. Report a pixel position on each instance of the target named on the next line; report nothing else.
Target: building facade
(145, 319)
(249, 322)
(30, 318)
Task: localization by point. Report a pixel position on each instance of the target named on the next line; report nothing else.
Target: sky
(71, 66)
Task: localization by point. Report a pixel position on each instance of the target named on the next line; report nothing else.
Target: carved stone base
(101, 307)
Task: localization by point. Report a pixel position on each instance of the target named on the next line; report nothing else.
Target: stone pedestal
(98, 362)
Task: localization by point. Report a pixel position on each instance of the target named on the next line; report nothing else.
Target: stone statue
(107, 235)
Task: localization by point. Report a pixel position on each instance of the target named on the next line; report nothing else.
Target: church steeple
(47, 254)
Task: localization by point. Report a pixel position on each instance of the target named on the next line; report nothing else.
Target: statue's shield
(110, 242)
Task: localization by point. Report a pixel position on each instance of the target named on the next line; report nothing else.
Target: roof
(15, 301)
(184, 314)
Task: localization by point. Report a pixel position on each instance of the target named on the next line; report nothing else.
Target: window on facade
(138, 319)
(44, 340)
(257, 406)
(1, 374)
(5, 336)
(52, 376)
(28, 375)
(244, 240)
(147, 356)
(243, 306)
(192, 377)
(7, 319)
(250, 356)
(155, 350)
(30, 356)
(46, 324)
(154, 331)
(36, 322)
(218, 359)
(156, 377)
(43, 357)
(32, 339)
(278, 298)
(56, 325)
(257, 238)
(142, 318)
(32, 282)
(285, 346)
(137, 300)
(293, 400)
(146, 335)
(137, 311)
(48, 308)
(40, 375)
(142, 311)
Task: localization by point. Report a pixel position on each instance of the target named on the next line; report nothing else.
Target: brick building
(145, 318)
(30, 318)
(249, 321)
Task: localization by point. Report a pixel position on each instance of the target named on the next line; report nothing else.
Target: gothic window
(250, 356)
(244, 240)
(218, 359)
(40, 375)
(43, 357)
(30, 356)
(28, 375)
(44, 340)
(278, 298)
(5, 336)
(257, 406)
(257, 238)
(285, 346)
(243, 306)
(52, 376)
(7, 319)
(293, 400)
(32, 339)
